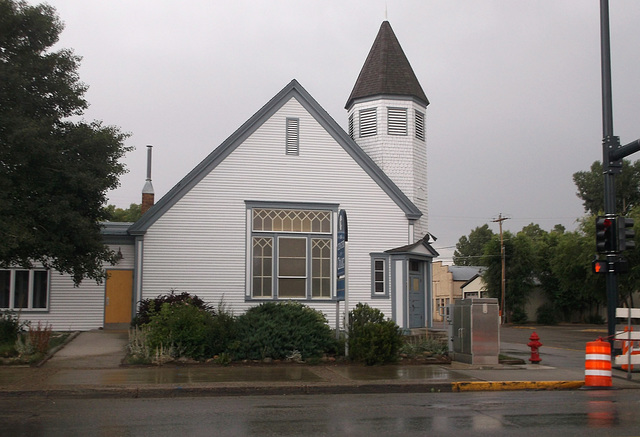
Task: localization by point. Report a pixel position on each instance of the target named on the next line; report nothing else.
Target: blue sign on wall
(343, 235)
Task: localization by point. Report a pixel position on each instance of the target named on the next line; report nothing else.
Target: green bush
(182, 327)
(148, 307)
(518, 315)
(372, 338)
(10, 327)
(276, 330)
(431, 346)
(547, 314)
(222, 331)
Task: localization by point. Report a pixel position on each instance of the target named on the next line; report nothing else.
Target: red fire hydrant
(534, 344)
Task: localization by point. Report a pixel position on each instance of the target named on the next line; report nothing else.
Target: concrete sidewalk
(90, 366)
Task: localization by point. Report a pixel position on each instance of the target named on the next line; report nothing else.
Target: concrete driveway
(92, 349)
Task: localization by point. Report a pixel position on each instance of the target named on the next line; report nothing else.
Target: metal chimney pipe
(149, 149)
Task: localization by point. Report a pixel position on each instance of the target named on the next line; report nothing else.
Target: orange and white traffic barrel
(597, 372)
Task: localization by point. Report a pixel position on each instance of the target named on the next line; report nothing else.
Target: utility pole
(499, 220)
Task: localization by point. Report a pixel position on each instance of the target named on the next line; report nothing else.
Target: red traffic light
(600, 266)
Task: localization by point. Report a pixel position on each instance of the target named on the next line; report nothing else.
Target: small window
(420, 125)
(379, 276)
(397, 121)
(368, 122)
(351, 126)
(293, 136)
(414, 265)
(24, 289)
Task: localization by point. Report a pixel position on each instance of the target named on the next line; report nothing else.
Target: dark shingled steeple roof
(386, 71)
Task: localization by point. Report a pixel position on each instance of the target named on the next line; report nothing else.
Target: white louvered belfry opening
(419, 125)
(351, 126)
(293, 136)
(397, 121)
(368, 122)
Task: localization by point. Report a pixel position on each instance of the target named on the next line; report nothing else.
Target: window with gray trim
(368, 122)
(291, 253)
(378, 276)
(24, 289)
(293, 136)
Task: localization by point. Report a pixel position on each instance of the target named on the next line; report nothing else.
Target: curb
(177, 392)
(515, 385)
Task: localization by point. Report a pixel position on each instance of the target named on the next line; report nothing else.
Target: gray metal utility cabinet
(476, 331)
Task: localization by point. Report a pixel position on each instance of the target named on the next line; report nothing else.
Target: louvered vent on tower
(397, 121)
(368, 122)
(420, 125)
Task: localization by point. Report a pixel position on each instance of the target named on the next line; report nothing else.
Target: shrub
(39, 337)
(148, 307)
(183, 327)
(372, 338)
(518, 315)
(278, 330)
(430, 346)
(595, 319)
(10, 327)
(222, 331)
(547, 314)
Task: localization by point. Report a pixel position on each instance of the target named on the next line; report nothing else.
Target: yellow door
(118, 296)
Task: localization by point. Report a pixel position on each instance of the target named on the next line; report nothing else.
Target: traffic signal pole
(611, 168)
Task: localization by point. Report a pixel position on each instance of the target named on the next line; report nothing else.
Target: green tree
(54, 172)
(590, 186)
(469, 250)
(131, 214)
(519, 272)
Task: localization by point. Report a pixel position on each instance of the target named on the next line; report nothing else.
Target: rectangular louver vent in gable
(420, 125)
(368, 122)
(293, 136)
(397, 118)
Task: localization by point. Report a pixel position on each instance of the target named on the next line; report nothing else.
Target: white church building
(257, 220)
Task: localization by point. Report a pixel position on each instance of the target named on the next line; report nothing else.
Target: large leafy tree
(131, 214)
(54, 172)
(469, 250)
(519, 268)
(590, 186)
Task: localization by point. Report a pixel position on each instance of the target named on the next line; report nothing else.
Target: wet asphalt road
(555, 413)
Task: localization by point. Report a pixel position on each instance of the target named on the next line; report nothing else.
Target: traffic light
(600, 266)
(617, 265)
(606, 234)
(626, 234)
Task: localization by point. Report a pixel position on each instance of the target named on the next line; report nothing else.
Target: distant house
(474, 287)
(448, 283)
(256, 221)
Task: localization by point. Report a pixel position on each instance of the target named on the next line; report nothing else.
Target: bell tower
(387, 118)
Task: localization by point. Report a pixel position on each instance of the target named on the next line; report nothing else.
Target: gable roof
(464, 273)
(386, 71)
(292, 90)
(422, 247)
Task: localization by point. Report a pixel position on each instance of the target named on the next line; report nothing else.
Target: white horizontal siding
(199, 244)
(77, 308)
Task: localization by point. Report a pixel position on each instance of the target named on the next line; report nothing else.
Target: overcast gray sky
(514, 87)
